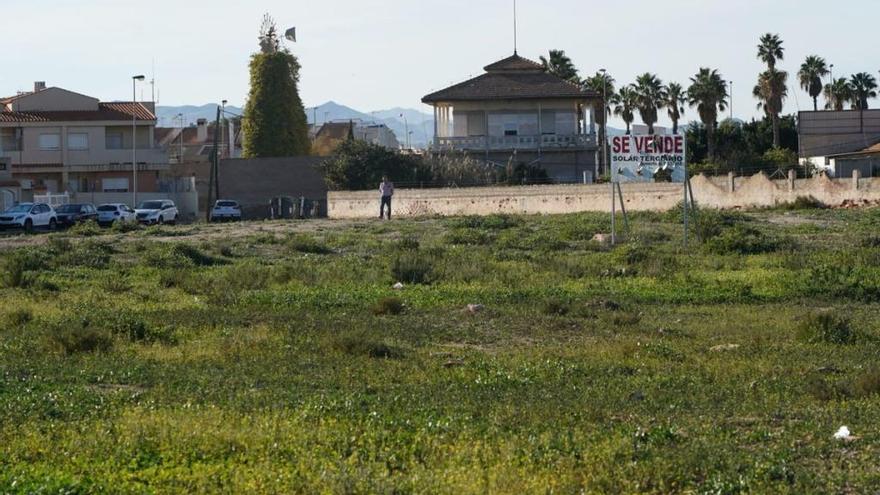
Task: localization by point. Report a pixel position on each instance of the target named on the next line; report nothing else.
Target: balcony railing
(499, 143)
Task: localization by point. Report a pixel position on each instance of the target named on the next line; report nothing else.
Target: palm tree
(561, 66)
(837, 93)
(603, 85)
(810, 76)
(625, 104)
(863, 87)
(772, 84)
(708, 92)
(675, 102)
(771, 90)
(651, 97)
(770, 50)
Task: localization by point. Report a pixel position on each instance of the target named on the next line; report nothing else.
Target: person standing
(386, 189)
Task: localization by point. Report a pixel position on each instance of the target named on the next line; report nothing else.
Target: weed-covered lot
(520, 356)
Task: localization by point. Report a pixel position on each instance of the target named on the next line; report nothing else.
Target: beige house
(57, 141)
(518, 112)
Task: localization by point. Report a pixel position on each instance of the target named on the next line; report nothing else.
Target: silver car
(28, 216)
(157, 211)
(110, 213)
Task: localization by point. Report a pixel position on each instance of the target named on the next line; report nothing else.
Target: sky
(378, 54)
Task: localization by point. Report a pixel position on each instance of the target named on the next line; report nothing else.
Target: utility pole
(213, 181)
(604, 123)
(134, 166)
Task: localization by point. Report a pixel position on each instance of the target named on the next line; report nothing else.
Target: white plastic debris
(843, 434)
(475, 308)
(397, 286)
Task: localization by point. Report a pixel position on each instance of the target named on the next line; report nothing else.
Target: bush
(826, 327)
(88, 228)
(135, 329)
(389, 306)
(555, 307)
(125, 227)
(804, 203)
(89, 254)
(78, 339)
(362, 345)
(413, 267)
(868, 383)
(304, 243)
(467, 237)
(18, 317)
(741, 239)
(178, 255)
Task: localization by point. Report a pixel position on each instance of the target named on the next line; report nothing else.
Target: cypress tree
(274, 121)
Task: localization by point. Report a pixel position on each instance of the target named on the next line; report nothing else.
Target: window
(114, 141)
(510, 129)
(50, 142)
(114, 185)
(78, 141)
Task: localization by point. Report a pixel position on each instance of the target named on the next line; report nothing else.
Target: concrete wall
(723, 192)
(186, 201)
(830, 132)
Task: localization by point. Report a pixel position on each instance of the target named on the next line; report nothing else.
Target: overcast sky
(376, 54)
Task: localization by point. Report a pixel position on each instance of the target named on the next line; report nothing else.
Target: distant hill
(421, 125)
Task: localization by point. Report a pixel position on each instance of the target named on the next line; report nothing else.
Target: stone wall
(717, 192)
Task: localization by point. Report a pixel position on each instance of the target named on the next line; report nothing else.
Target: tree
(708, 92)
(625, 103)
(650, 97)
(561, 66)
(864, 86)
(810, 76)
(676, 99)
(771, 90)
(603, 85)
(772, 84)
(358, 165)
(837, 93)
(274, 121)
(770, 50)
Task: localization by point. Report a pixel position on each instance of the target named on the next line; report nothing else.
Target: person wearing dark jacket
(386, 189)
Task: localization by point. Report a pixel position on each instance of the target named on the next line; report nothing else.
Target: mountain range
(420, 124)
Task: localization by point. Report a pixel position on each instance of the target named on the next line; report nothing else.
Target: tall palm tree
(651, 97)
(810, 76)
(603, 85)
(708, 92)
(625, 104)
(772, 84)
(561, 66)
(770, 50)
(772, 90)
(864, 86)
(837, 93)
(676, 99)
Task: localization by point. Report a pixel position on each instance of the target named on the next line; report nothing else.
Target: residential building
(518, 112)
(10, 189)
(195, 143)
(60, 141)
(828, 138)
(328, 136)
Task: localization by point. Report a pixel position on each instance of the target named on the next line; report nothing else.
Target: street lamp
(731, 101)
(406, 126)
(604, 124)
(134, 80)
(222, 148)
(180, 154)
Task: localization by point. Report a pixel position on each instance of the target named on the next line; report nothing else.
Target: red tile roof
(116, 111)
(514, 62)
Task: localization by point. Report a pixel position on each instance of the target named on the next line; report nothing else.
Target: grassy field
(277, 357)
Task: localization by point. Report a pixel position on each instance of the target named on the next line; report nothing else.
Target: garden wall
(717, 192)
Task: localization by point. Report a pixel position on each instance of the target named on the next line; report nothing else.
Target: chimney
(39, 86)
(202, 130)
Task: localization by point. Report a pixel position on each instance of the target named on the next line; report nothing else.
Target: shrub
(389, 306)
(178, 255)
(18, 317)
(89, 254)
(741, 239)
(88, 228)
(467, 237)
(555, 307)
(804, 203)
(826, 327)
(15, 274)
(362, 345)
(125, 227)
(413, 267)
(407, 243)
(868, 383)
(77, 338)
(304, 243)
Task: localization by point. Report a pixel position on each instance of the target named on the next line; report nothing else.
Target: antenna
(514, 27)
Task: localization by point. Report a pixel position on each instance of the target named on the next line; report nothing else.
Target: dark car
(75, 213)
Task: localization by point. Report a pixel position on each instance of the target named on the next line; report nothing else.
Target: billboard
(639, 158)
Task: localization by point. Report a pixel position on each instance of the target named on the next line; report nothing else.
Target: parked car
(29, 216)
(110, 213)
(226, 209)
(73, 213)
(157, 211)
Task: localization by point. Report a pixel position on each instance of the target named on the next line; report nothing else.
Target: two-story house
(517, 111)
(56, 141)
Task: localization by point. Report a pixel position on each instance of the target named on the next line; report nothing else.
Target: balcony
(550, 142)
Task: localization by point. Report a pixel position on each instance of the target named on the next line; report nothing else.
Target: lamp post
(406, 126)
(180, 153)
(604, 123)
(731, 101)
(134, 170)
(222, 148)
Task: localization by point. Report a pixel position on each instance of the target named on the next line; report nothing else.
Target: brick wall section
(724, 192)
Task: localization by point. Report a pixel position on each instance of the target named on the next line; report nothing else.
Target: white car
(110, 213)
(157, 211)
(225, 209)
(29, 216)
